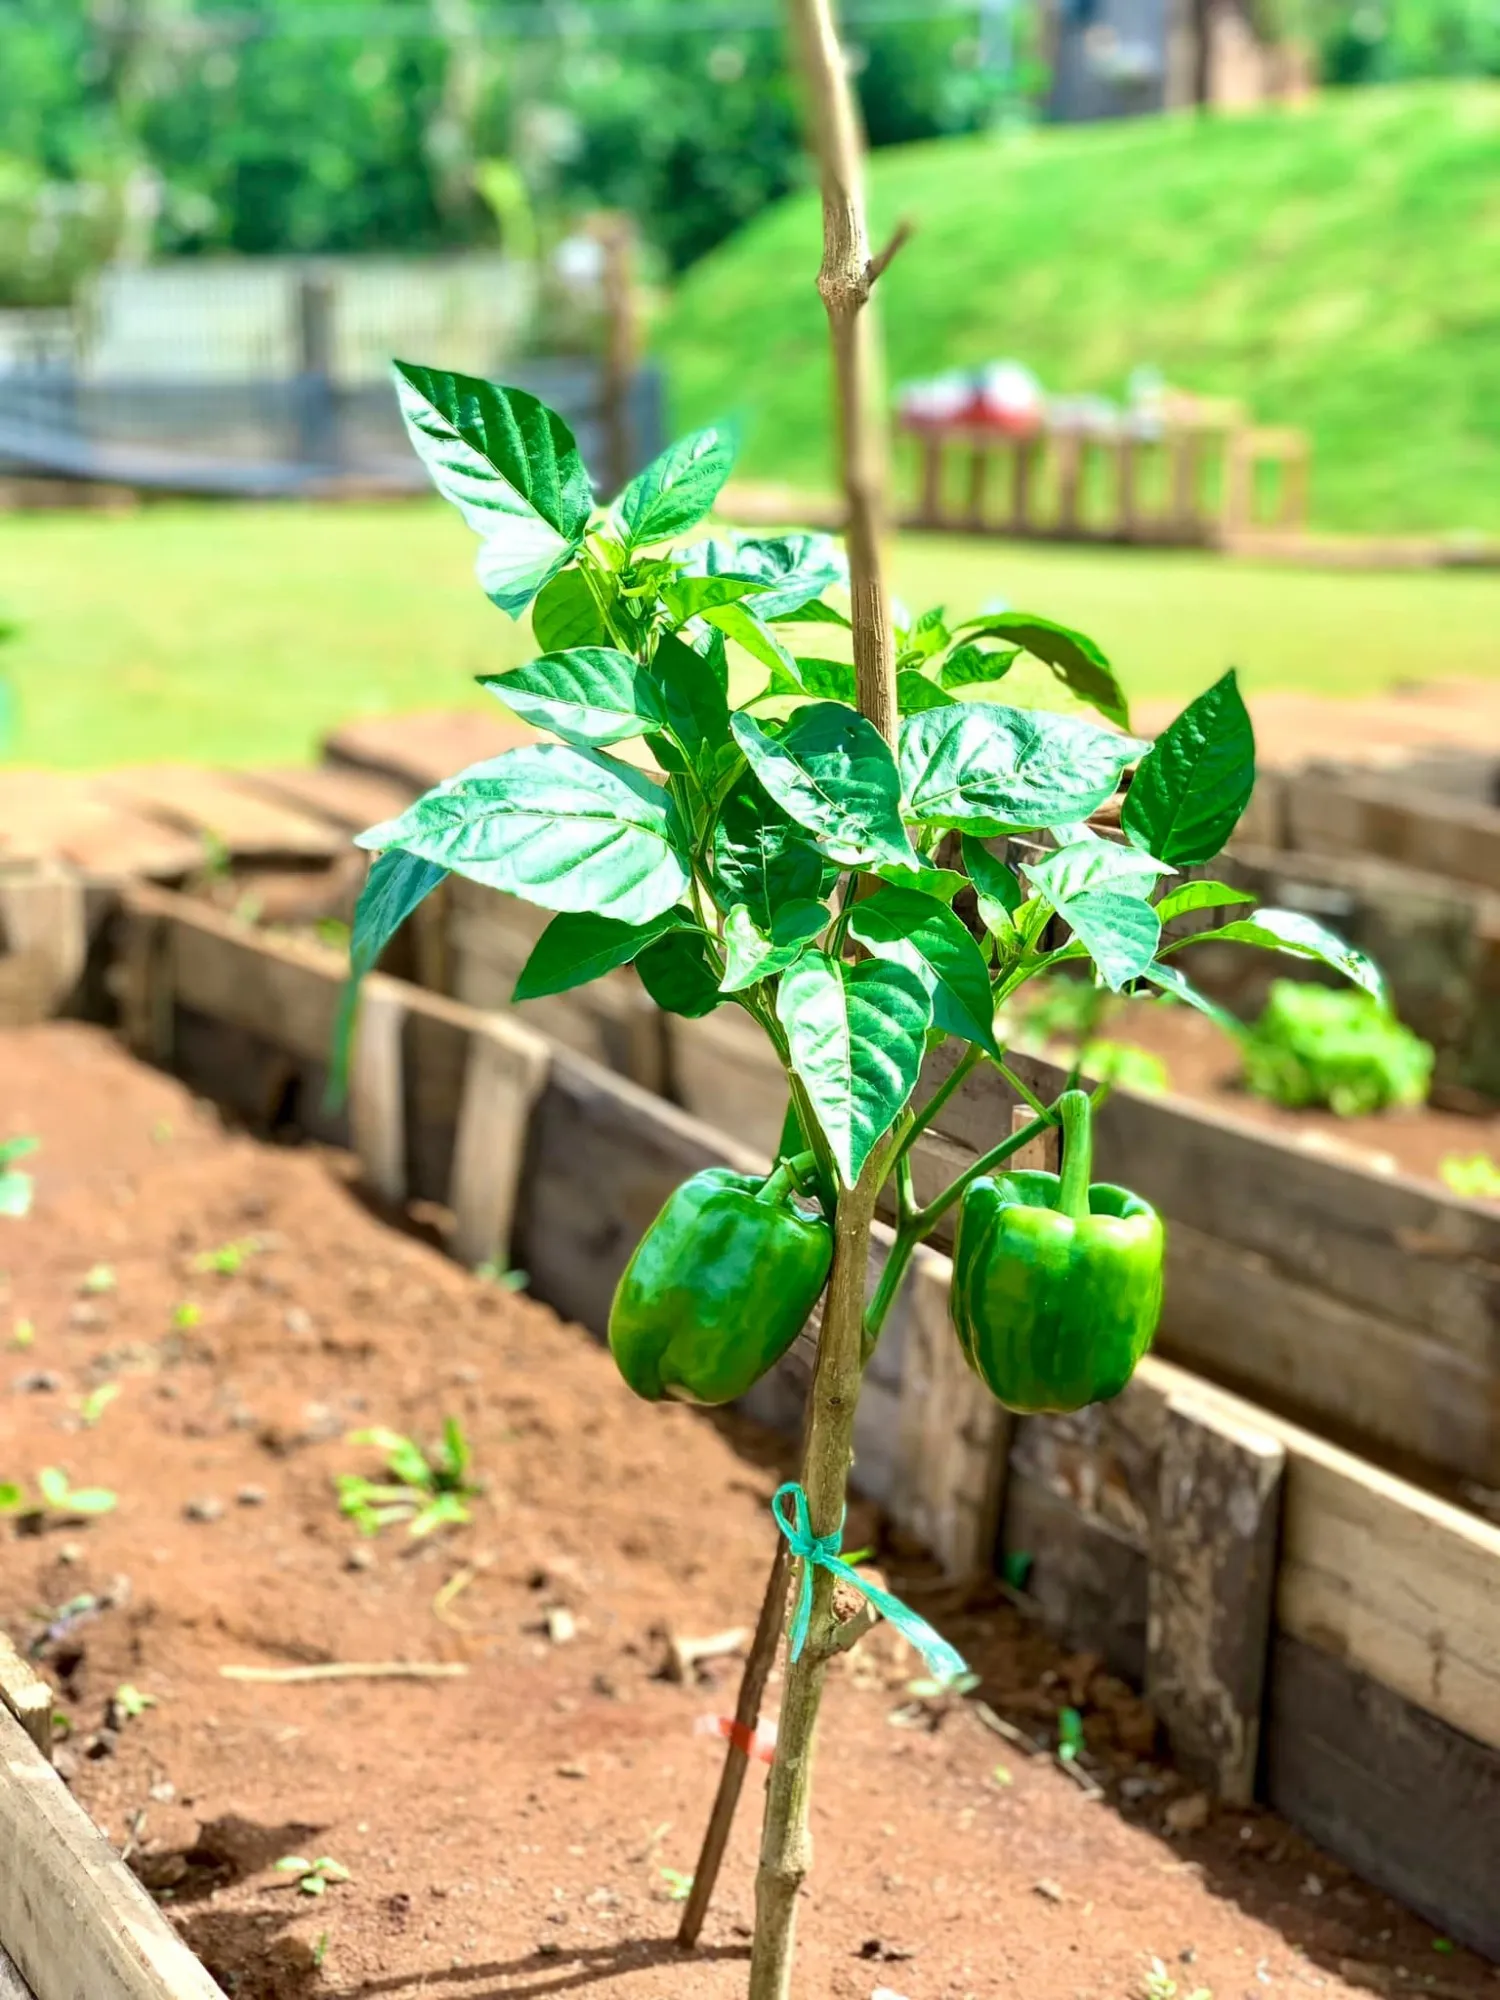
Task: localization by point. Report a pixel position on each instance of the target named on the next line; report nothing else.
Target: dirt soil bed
(514, 1831)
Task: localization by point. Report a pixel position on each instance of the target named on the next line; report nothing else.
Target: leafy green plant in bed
(795, 852)
(425, 1490)
(1316, 1045)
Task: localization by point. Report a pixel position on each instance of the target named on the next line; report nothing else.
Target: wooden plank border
(74, 1920)
(1381, 1590)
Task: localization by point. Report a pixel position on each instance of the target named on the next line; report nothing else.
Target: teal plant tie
(822, 1552)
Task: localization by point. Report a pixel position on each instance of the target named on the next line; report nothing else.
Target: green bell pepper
(1057, 1285)
(720, 1286)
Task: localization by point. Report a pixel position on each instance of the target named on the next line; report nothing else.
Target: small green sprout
(1069, 1735)
(229, 1259)
(1160, 1985)
(23, 1334)
(61, 1497)
(12, 1497)
(186, 1315)
(100, 1278)
(96, 1402)
(494, 1273)
(129, 1702)
(313, 1877)
(15, 1186)
(320, 1951)
(1477, 1177)
(679, 1886)
(427, 1493)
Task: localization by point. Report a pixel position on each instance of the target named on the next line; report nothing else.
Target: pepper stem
(789, 1174)
(1077, 1115)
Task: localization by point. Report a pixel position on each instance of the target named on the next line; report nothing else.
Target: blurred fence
(272, 376)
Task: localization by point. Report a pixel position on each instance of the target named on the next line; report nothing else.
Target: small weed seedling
(128, 1704)
(92, 1407)
(16, 1187)
(313, 1877)
(229, 1259)
(97, 1280)
(678, 1887)
(427, 1493)
(1159, 1984)
(57, 1496)
(1477, 1178)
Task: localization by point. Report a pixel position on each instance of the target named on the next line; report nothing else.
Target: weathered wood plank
(1406, 1801)
(77, 1924)
(1355, 814)
(348, 799)
(503, 1077)
(27, 1696)
(12, 1985)
(212, 805)
(377, 1101)
(43, 940)
(1213, 1548)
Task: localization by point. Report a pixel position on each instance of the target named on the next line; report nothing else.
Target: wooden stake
(737, 1757)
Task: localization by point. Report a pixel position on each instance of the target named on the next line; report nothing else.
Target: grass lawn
(239, 635)
(1333, 266)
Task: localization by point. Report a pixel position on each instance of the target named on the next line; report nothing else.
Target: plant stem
(1078, 1154)
(786, 1843)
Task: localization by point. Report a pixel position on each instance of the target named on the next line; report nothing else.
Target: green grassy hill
(1336, 267)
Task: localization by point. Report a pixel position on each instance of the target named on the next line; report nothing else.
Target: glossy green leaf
(989, 769)
(677, 489)
(579, 946)
(52, 1483)
(16, 1190)
(1077, 661)
(1094, 864)
(679, 975)
(1119, 931)
(924, 935)
(761, 857)
(977, 666)
(690, 596)
(566, 613)
(856, 1034)
(1187, 796)
(694, 695)
(1171, 981)
(752, 954)
(795, 570)
(833, 772)
(924, 641)
(914, 692)
(815, 612)
(590, 696)
(991, 878)
(568, 829)
(1301, 936)
(828, 680)
(509, 465)
(741, 623)
(1189, 896)
(944, 883)
(396, 884)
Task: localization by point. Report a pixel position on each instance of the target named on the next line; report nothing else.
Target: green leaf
(590, 696)
(22, 1148)
(694, 690)
(12, 1497)
(16, 1190)
(579, 946)
(1120, 932)
(1199, 896)
(829, 680)
(678, 974)
(1301, 936)
(396, 884)
(795, 570)
(92, 1500)
(568, 829)
(52, 1483)
(752, 955)
(1171, 981)
(914, 692)
(509, 465)
(761, 857)
(833, 772)
(815, 613)
(566, 613)
(991, 878)
(924, 935)
(989, 769)
(927, 637)
(944, 883)
(1187, 796)
(1093, 864)
(975, 666)
(742, 624)
(690, 596)
(676, 490)
(856, 1034)
(1077, 661)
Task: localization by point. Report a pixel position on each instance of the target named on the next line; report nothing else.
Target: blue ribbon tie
(822, 1552)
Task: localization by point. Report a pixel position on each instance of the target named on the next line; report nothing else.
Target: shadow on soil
(241, 1949)
(226, 1851)
(539, 1975)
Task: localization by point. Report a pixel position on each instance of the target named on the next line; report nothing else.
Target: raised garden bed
(1377, 1615)
(516, 1828)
